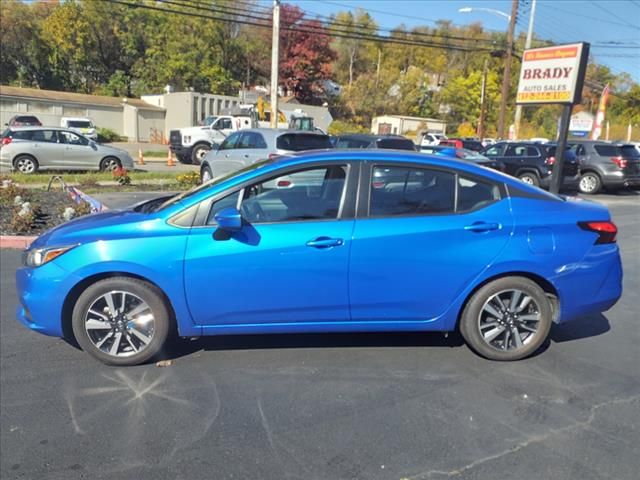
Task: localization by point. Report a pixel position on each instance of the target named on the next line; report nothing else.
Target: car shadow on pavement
(183, 347)
(585, 327)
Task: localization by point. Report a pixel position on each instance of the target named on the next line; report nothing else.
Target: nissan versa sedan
(30, 149)
(441, 245)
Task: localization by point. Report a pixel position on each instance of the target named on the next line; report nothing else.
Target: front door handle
(482, 227)
(325, 242)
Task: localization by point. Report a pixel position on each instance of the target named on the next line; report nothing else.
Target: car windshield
(211, 183)
(79, 124)
(298, 142)
(208, 121)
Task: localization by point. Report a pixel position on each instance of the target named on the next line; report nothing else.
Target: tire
(492, 335)
(136, 342)
(205, 174)
(529, 178)
(26, 164)
(109, 164)
(198, 153)
(590, 183)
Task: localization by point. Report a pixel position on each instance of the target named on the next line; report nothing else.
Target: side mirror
(92, 144)
(229, 219)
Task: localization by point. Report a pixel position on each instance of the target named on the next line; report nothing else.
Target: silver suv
(246, 147)
(29, 149)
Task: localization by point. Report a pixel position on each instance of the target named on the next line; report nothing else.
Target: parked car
(533, 162)
(30, 149)
(428, 138)
(606, 165)
(450, 245)
(361, 140)
(464, 154)
(83, 126)
(23, 121)
(474, 145)
(246, 147)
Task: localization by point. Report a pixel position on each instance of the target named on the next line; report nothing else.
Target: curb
(16, 241)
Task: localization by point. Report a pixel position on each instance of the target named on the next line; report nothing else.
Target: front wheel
(121, 321)
(198, 153)
(507, 319)
(590, 183)
(109, 164)
(205, 174)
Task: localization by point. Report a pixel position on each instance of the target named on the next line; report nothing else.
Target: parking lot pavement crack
(534, 439)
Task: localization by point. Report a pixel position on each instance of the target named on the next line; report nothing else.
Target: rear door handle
(325, 242)
(482, 227)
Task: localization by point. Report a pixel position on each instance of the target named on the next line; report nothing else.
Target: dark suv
(533, 162)
(606, 165)
(395, 142)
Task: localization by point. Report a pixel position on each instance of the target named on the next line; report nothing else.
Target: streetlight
(507, 66)
(489, 10)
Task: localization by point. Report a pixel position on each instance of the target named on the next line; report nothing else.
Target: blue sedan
(340, 241)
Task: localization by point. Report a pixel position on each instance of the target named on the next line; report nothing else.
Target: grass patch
(155, 153)
(83, 177)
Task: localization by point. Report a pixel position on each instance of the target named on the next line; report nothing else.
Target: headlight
(40, 256)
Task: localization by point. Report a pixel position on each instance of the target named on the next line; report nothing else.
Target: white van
(82, 125)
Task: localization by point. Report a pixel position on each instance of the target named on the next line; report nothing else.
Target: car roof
(16, 129)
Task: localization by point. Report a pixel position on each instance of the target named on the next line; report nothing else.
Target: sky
(562, 21)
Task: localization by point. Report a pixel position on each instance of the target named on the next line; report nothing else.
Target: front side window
(411, 191)
(305, 195)
(494, 151)
(229, 143)
(251, 140)
(73, 139)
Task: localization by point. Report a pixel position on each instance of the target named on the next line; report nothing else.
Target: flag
(597, 125)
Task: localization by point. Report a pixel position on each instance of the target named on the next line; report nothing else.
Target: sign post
(554, 75)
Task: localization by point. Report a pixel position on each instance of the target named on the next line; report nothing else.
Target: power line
(600, 7)
(578, 14)
(320, 30)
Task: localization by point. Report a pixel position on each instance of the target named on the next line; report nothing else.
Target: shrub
(88, 182)
(10, 192)
(24, 218)
(108, 135)
(340, 127)
(188, 179)
(121, 175)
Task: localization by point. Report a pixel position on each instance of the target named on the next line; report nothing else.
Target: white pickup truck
(191, 144)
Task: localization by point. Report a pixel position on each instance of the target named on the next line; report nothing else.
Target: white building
(129, 117)
(401, 124)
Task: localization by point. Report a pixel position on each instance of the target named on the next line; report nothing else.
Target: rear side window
(474, 194)
(396, 144)
(522, 151)
(23, 134)
(411, 191)
(607, 150)
(298, 142)
(45, 136)
(630, 151)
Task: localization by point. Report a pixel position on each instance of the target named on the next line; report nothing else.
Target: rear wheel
(26, 164)
(198, 153)
(507, 319)
(590, 183)
(109, 164)
(529, 178)
(121, 321)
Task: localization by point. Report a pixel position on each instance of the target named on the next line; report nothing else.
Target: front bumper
(41, 294)
(181, 152)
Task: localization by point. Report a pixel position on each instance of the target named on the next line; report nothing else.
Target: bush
(340, 127)
(121, 175)
(188, 179)
(108, 135)
(11, 191)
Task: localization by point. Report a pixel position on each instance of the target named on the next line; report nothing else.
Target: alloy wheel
(588, 183)
(120, 323)
(25, 165)
(509, 319)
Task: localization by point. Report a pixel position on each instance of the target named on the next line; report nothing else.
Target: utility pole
(482, 101)
(275, 55)
(506, 81)
(527, 46)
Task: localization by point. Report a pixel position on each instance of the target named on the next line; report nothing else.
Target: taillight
(606, 231)
(550, 160)
(284, 183)
(6, 140)
(619, 161)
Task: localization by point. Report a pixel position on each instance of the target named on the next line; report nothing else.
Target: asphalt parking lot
(378, 406)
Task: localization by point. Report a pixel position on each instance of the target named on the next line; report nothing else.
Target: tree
(305, 58)
(353, 56)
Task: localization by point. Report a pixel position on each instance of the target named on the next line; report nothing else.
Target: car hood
(98, 226)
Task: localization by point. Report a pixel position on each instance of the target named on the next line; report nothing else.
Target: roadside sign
(553, 74)
(580, 124)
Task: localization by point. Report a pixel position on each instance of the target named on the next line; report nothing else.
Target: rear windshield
(630, 151)
(298, 142)
(27, 119)
(79, 124)
(6, 133)
(472, 145)
(396, 144)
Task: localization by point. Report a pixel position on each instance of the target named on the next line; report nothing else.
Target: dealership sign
(553, 74)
